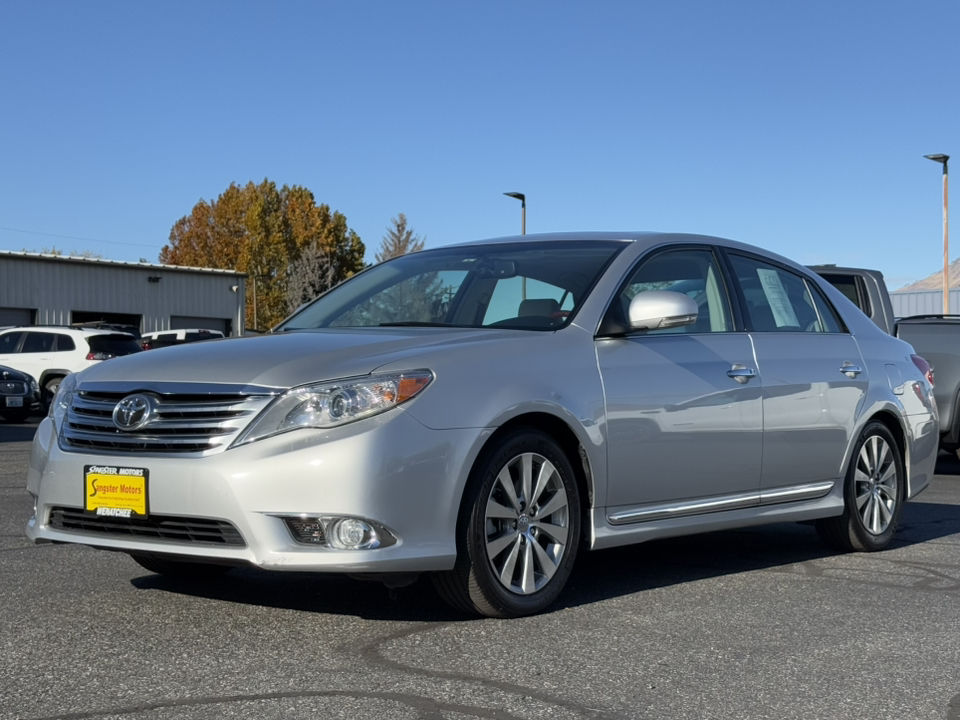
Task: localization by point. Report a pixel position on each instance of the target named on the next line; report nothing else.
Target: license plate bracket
(114, 491)
(14, 402)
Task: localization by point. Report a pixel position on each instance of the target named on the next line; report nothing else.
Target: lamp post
(942, 159)
(523, 206)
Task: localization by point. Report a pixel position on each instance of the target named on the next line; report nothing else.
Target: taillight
(924, 367)
(99, 356)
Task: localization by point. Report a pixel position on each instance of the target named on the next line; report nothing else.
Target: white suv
(49, 353)
(166, 338)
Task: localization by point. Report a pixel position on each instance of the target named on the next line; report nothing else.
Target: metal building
(923, 302)
(41, 289)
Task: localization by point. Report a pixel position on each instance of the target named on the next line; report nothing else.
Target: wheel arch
(892, 422)
(568, 442)
(50, 374)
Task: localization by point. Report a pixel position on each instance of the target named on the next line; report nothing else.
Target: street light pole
(942, 159)
(523, 206)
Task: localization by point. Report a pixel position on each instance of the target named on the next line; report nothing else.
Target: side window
(693, 272)
(778, 300)
(852, 287)
(37, 342)
(65, 343)
(9, 342)
(828, 315)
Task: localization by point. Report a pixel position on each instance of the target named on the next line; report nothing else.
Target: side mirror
(661, 309)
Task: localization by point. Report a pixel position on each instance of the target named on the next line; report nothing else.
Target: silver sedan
(485, 412)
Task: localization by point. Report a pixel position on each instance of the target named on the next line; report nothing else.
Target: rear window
(114, 344)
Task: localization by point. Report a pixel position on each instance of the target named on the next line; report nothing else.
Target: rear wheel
(873, 495)
(180, 569)
(519, 530)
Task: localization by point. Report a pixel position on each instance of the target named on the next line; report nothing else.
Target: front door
(683, 413)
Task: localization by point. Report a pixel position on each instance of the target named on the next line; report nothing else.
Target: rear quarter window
(114, 344)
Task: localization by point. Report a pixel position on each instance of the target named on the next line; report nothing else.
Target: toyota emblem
(133, 412)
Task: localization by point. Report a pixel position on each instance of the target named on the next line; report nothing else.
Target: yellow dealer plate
(113, 491)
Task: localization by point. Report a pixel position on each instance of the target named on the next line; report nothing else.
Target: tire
(180, 569)
(874, 494)
(51, 387)
(515, 555)
(15, 416)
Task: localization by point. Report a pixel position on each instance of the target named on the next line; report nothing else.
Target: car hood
(289, 359)
(8, 373)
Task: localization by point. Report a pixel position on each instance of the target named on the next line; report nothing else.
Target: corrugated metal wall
(57, 287)
(923, 302)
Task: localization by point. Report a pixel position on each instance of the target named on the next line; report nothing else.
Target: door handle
(850, 370)
(741, 373)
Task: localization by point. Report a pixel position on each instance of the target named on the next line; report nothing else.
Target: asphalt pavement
(758, 623)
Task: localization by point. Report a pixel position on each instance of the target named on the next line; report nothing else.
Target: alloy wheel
(527, 523)
(876, 485)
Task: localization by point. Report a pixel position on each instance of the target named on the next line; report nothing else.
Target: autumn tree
(399, 240)
(267, 232)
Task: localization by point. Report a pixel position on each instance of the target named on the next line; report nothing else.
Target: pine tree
(399, 240)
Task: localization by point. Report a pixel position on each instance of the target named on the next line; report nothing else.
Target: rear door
(814, 378)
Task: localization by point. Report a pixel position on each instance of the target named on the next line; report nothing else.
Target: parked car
(485, 412)
(936, 338)
(106, 325)
(166, 338)
(864, 288)
(50, 352)
(19, 395)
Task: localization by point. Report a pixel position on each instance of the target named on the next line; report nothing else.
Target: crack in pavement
(372, 652)
(428, 708)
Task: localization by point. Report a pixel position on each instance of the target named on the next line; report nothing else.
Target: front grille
(13, 388)
(163, 528)
(184, 423)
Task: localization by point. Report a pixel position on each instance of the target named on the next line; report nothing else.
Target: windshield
(532, 286)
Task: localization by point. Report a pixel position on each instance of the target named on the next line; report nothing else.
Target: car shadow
(947, 464)
(597, 576)
(19, 432)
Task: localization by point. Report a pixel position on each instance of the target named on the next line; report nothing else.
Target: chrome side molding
(700, 506)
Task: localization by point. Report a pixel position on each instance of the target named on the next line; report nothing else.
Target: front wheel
(51, 387)
(874, 493)
(519, 529)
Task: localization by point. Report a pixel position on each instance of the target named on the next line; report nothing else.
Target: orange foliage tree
(265, 232)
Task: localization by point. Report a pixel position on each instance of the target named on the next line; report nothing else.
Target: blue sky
(796, 126)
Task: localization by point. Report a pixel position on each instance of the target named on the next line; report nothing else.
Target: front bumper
(390, 469)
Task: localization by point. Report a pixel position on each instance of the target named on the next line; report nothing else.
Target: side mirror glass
(661, 309)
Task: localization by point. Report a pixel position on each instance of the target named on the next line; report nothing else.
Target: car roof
(155, 333)
(65, 328)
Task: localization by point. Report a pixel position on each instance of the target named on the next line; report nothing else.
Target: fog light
(339, 532)
(352, 534)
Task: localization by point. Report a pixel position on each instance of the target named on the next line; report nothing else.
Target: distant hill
(935, 281)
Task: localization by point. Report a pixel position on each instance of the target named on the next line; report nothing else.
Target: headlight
(61, 401)
(329, 404)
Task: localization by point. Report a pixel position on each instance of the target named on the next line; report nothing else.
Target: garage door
(16, 316)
